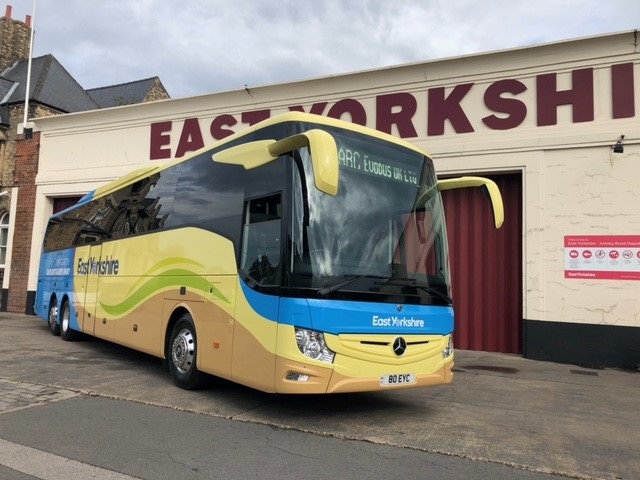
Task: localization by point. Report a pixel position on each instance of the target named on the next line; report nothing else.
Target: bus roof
(320, 119)
(127, 179)
(301, 117)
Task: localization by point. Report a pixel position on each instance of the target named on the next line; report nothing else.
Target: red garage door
(486, 267)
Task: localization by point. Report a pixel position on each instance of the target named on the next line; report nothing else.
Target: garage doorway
(486, 267)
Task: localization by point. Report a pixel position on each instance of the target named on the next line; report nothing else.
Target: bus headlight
(448, 351)
(311, 344)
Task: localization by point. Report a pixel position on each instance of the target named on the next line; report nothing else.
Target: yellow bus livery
(302, 255)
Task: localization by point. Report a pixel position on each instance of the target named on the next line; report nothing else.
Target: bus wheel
(65, 331)
(54, 326)
(182, 354)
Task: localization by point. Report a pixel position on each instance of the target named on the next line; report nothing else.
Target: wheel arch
(53, 314)
(53, 300)
(181, 353)
(66, 298)
(177, 312)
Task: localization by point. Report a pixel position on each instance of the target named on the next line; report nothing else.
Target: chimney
(15, 36)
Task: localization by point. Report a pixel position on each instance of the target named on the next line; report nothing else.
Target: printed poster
(602, 257)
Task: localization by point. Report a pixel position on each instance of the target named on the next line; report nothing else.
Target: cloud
(216, 45)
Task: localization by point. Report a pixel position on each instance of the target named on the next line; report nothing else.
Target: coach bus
(302, 255)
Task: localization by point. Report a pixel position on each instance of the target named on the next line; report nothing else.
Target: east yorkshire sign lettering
(398, 113)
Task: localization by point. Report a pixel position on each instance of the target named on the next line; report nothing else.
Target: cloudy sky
(205, 46)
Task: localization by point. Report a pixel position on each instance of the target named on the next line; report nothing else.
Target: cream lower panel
(253, 364)
(215, 327)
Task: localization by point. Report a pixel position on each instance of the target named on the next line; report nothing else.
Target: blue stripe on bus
(56, 271)
(337, 316)
(265, 305)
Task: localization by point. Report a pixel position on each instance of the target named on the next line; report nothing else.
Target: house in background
(53, 91)
(139, 91)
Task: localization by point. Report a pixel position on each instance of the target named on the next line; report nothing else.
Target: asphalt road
(74, 406)
(155, 443)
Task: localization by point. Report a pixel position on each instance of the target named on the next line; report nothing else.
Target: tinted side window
(210, 196)
(266, 179)
(261, 245)
(69, 230)
(141, 207)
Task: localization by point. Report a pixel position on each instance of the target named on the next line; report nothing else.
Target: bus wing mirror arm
(324, 156)
(488, 187)
(323, 148)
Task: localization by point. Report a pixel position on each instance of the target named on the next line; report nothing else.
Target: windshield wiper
(434, 292)
(326, 290)
(411, 282)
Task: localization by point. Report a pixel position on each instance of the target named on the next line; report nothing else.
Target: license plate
(393, 379)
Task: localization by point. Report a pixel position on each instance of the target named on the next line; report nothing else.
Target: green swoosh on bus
(163, 283)
(158, 268)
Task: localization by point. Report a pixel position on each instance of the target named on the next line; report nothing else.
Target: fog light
(448, 351)
(297, 377)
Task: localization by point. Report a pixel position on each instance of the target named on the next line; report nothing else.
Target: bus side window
(261, 244)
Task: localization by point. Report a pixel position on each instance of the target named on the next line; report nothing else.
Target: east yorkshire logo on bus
(397, 111)
(108, 266)
(394, 321)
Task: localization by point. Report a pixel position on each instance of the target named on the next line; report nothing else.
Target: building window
(4, 235)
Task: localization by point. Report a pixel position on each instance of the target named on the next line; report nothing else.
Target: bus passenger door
(87, 285)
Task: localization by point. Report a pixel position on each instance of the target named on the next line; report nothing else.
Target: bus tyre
(182, 354)
(54, 326)
(66, 333)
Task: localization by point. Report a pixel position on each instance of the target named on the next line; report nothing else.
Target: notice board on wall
(602, 257)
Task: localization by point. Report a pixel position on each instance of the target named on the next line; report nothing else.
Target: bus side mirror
(323, 148)
(488, 186)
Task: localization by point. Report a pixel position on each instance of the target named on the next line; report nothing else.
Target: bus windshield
(381, 234)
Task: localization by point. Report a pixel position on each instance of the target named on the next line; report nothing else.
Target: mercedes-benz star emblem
(399, 346)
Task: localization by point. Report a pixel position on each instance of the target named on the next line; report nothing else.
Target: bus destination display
(365, 162)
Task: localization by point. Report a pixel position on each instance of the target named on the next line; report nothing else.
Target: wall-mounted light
(619, 146)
